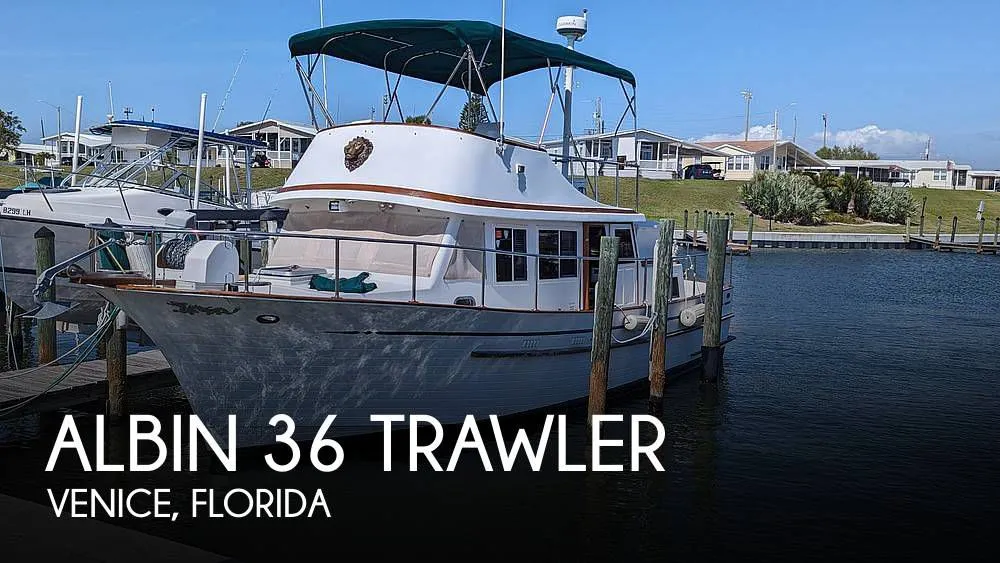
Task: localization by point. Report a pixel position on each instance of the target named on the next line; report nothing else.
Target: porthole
(267, 319)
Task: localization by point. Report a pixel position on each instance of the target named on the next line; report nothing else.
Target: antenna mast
(111, 104)
(222, 106)
(323, 60)
(503, 59)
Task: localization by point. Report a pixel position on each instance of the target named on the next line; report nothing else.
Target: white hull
(25, 214)
(354, 359)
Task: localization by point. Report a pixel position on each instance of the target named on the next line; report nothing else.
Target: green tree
(10, 131)
(421, 119)
(242, 123)
(850, 152)
(473, 113)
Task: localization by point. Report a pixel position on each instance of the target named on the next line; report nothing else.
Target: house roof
(748, 146)
(631, 132)
(754, 147)
(904, 164)
(86, 139)
(305, 130)
(31, 148)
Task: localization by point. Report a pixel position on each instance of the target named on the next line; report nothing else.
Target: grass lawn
(262, 178)
(660, 199)
(665, 199)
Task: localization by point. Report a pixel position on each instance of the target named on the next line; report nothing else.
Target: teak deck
(88, 382)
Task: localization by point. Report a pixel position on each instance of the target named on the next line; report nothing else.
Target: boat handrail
(262, 235)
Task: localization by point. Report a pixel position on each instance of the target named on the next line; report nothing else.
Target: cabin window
(625, 247)
(511, 268)
(556, 243)
(940, 175)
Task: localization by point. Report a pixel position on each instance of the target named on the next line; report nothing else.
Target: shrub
(890, 205)
(790, 198)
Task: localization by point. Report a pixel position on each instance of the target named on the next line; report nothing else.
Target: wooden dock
(734, 248)
(949, 246)
(88, 382)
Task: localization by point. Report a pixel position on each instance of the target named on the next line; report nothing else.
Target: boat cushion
(357, 284)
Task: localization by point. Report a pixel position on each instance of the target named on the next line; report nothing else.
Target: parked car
(701, 172)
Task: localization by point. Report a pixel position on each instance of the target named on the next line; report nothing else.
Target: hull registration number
(16, 211)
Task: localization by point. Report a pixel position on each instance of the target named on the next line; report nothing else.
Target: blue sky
(888, 76)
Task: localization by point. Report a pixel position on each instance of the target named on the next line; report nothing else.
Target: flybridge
(469, 55)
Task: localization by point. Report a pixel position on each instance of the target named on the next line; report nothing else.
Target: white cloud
(885, 142)
(757, 133)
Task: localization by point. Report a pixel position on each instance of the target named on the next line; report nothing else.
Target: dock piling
(750, 221)
(45, 258)
(684, 235)
(906, 236)
(982, 227)
(996, 232)
(937, 233)
(711, 350)
(954, 227)
(661, 299)
(600, 353)
(115, 350)
(923, 206)
(694, 235)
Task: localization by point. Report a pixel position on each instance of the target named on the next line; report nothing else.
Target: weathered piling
(732, 225)
(684, 235)
(954, 227)
(600, 353)
(711, 349)
(15, 352)
(906, 236)
(750, 221)
(704, 219)
(115, 349)
(45, 258)
(923, 205)
(996, 233)
(982, 227)
(661, 299)
(694, 236)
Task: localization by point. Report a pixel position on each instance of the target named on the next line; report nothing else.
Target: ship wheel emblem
(356, 152)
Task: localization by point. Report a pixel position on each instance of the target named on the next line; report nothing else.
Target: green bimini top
(430, 50)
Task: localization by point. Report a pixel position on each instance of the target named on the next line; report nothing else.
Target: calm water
(858, 417)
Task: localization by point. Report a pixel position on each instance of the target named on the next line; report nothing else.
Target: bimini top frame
(434, 50)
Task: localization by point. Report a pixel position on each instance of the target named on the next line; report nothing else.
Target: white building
(985, 179)
(286, 142)
(660, 155)
(28, 151)
(740, 159)
(90, 145)
(913, 173)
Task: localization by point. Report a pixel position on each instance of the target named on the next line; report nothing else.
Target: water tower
(573, 29)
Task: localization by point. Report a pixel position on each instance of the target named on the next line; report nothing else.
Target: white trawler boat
(420, 269)
(155, 188)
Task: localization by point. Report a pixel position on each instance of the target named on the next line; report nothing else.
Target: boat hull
(255, 357)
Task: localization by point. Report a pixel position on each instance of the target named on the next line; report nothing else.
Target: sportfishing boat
(154, 188)
(420, 268)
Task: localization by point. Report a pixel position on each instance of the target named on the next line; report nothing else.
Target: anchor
(52, 309)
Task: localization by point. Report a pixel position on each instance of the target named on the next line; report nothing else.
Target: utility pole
(747, 95)
(58, 130)
(795, 126)
(774, 153)
(824, 130)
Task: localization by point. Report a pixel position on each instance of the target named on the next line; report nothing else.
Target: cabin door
(592, 234)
